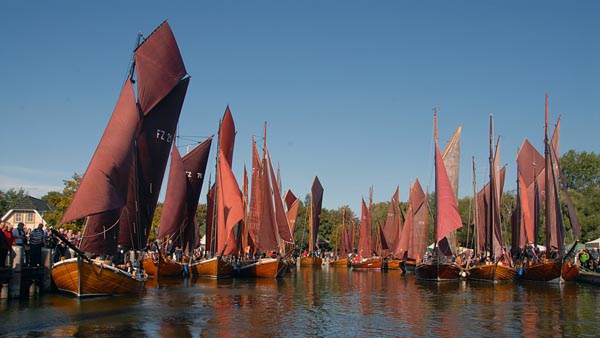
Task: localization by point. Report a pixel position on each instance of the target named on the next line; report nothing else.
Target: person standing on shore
(4, 244)
(19, 235)
(36, 242)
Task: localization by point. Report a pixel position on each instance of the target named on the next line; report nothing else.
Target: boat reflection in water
(315, 302)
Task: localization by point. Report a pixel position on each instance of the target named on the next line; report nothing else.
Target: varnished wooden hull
(492, 273)
(589, 277)
(166, 268)
(263, 268)
(340, 263)
(84, 279)
(373, 263)
(550, 271)
(438, 271)
(212, 268)
(394, 264)
(311, 261)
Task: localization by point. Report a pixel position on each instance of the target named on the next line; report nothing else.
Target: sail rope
(103, 233)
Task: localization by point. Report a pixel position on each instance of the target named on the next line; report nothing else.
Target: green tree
(61, 201)
(9, 198)
(580, 169)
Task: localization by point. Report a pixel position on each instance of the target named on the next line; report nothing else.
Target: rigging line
(102, 232)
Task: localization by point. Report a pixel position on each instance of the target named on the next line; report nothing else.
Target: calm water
(316, 303)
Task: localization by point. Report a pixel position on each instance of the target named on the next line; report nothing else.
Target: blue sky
(347, 87)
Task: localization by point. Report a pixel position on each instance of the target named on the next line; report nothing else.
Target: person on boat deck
(178, 253)
(584, 259)
(594, 255)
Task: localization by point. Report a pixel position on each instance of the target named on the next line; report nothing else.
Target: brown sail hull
(262, 268)
(374, 263)
(162, 267)
(84, 279)
(550, 271)
(212, 268)
(437, 272)
(492, 273)
(392, 264)
(340, 263)
(311, 261)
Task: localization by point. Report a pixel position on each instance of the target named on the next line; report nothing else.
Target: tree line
(581, 171)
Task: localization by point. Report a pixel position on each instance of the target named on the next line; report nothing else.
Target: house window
(30, 217)
(18, 217)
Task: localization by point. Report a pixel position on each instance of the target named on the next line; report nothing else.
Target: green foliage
(155, 222)
(9, 198)
(61, 201)
(580, 169)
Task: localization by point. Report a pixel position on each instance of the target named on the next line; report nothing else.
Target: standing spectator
(8, 234)
(20, 239)
(4, 244)
(19, 235)
(36, 242)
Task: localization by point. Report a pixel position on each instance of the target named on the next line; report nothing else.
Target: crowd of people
(32, 241)
(589, 259)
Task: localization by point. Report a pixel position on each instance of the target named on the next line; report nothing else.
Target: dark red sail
(316, 203)
(159, 67)
(103, 189)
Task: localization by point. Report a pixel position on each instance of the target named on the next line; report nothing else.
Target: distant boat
(225, 211)
(555, 264)
(316, 200)
(344, 244)
(272, 231)
(178, 219)
(440, 266)
(367, 257)
(391, 234)
(413, 241)
(126, 170)
(492, 262)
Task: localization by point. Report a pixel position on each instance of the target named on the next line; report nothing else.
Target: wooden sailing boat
(392, 233)
(178, 220)
(316, 200)
(119, 174)
(366, 256)
(413, 241)
(225, 210)
(440, 267)
(492, 262)
(554, 265)
(273, 229)
(345, 245)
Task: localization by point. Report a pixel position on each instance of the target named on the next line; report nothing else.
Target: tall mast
(475, 210)
(265, 140)
(370, 222)
(491, 203)
(548, 167)
(435, 140)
